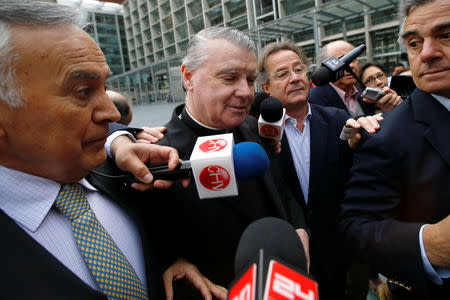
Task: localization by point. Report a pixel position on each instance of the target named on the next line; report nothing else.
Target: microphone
(215, 163)
(334, 68)
(271, 119)
(269, 263)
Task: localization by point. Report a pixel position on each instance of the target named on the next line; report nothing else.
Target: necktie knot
(71, 201)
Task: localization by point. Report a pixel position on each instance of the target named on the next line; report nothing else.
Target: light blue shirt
(300, 145)
(28, 200)
(434, 273)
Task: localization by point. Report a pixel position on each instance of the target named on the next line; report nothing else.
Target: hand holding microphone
(215, 164)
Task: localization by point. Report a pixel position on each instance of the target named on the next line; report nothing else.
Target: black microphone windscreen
(271, 110)
(276, 237)
(322, 76)
(256, 105)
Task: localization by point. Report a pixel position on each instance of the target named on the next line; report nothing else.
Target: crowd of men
(77, 228)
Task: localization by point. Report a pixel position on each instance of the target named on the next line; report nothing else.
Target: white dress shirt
(28, 200)
(300, 146)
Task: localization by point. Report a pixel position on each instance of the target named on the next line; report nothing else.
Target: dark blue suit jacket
(29, 271)
(326, 95)
(400, 180)
(330, 164)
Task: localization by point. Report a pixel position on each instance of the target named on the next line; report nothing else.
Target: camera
(373, 93)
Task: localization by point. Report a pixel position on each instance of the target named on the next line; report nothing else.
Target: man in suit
(400, 176)
(343, 93)
(54, 116)
(315, 161)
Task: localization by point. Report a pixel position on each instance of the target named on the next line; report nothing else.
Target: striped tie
(112, 271)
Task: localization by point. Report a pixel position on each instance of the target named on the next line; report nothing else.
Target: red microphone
(276, 271)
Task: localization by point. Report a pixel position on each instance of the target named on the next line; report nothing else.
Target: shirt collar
(443, 100)
(293, 121)
(27, 198)
(341, 93)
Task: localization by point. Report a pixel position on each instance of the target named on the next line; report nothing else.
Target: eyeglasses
(299, 70)
(371, 80)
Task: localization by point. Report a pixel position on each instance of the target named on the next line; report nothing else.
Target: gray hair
(406, 6)
(33, 13)
(269, 49)
(404, 9)
(195, 52)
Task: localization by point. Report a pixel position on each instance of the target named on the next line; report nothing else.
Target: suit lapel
(436, 118)
(289, 171)
(319, 137)
(29, 263)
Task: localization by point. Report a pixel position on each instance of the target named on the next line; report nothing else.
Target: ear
(4, 111)
(186, 74)
(266, 88)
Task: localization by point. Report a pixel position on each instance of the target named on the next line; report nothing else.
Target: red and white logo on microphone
(213, 145)
(269, 131)
(284, 283)
(244, 289)
(215, 178)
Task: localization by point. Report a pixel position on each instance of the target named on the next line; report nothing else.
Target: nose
(105, 110)
(244, 89)
(431, 50)
(294, 77)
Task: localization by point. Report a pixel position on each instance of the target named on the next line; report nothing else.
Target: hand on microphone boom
(249, 159)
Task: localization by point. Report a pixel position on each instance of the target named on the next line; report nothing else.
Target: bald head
(123, 105)
(338, 49)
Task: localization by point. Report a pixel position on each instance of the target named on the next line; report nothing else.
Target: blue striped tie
(112, 271)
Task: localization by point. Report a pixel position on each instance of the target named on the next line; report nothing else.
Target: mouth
(435, 72)
(97, 140)
(239, 108)
(297, 89)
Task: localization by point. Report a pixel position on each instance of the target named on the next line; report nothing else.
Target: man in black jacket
(400, 178)
(219, 72)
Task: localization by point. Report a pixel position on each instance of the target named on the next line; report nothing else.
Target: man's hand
(369, 124)
(303, 235)
(275, 145)
(150, 135)
(388, 102)
(131, 157)
(436, 240)
(183, 269)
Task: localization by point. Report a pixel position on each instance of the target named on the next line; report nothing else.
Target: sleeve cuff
(434, 275)
(111, 138)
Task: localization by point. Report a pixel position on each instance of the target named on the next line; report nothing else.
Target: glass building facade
(157, 33)
(107, 28)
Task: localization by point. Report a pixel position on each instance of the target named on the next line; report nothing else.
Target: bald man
(342, 93)
(123, 105)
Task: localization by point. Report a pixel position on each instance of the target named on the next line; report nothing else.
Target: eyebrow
(233, 71)
(88, 75)
(434, 30)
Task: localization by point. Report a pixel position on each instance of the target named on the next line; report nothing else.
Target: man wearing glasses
(315, 161)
